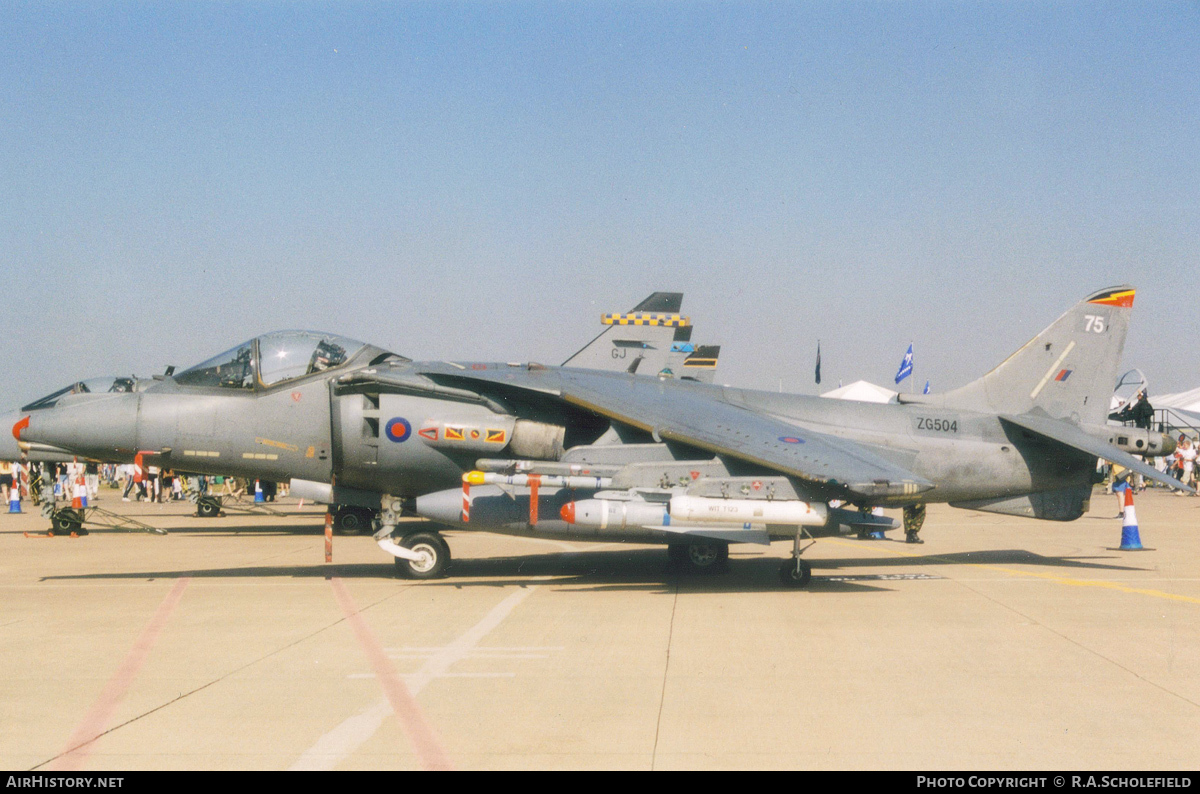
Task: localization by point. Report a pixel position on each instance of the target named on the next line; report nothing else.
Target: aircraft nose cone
(99, 426)
(12, 423)
(1168, 445)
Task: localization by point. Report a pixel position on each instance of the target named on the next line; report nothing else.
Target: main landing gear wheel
(434, 556)
(352, 521)
(701, 556)
(795, 572)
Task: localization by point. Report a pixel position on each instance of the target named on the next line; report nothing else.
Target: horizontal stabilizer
(1072, 436)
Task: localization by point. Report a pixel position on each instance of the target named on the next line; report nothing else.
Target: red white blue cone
(1130, 539)
(258, 494)
(14, 499)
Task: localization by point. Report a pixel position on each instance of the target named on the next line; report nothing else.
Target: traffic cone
(258, 494)
(80, 500)
(1130, 539)
(14, 499)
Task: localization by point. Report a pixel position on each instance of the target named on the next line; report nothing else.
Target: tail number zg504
(937, 425)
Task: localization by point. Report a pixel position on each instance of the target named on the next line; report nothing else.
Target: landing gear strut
(796, 572)
(914, 517)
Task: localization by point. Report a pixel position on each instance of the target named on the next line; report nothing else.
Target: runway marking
(1051, 577)
(402, 702)
(876, 577)
(338, 744)
(81, 743)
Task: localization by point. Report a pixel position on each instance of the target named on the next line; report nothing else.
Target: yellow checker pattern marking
(646, 318)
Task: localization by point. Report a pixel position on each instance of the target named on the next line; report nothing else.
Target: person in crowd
(1142, 412)
(6, 479)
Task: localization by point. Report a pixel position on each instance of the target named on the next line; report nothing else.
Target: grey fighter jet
(263, 409)
(588, 454)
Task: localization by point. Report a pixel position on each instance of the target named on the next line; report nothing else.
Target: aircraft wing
(698, 416)
(675, 411)
(1072, 436)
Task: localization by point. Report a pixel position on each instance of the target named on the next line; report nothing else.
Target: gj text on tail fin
(1067, 371)
(638, 341)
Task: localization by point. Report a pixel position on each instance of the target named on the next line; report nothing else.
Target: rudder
(1067, 371)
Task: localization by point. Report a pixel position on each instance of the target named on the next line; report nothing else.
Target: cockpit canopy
(271, 359)
(89, 386)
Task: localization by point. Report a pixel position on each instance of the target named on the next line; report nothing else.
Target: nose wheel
(429, 556)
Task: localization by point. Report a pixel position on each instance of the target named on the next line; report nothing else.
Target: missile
(543, 480)
(683, 509)
(704, 510)
(615, 513)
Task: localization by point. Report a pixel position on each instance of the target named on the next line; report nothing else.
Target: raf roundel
(398, 429)
(791, 440)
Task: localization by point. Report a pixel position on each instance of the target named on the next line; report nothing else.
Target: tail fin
(639, 340)
(700, 362)
(1067, 371)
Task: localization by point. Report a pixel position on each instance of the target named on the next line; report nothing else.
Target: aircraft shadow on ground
(644, 569)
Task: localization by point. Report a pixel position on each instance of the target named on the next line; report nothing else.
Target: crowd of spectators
(35, 481)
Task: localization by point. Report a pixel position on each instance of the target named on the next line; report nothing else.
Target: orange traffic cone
(80, 500)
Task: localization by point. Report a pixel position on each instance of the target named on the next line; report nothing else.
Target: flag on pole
(818, 373)
(926, 388)
(906, 365)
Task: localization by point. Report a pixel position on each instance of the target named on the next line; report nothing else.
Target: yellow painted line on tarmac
(1065, 580)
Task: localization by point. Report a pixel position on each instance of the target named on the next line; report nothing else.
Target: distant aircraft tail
(638, 341)
(699, 362)
(1067, 371)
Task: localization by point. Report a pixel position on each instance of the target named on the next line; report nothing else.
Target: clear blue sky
(482, 180)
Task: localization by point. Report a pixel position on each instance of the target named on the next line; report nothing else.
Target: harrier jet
(579, 453)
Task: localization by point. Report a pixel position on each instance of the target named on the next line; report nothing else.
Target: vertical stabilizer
(1067, 371)
(638, 341)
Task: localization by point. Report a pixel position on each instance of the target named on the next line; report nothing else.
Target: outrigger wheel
(434, 556)
(795, 572)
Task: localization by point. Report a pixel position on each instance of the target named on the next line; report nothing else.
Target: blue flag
(926, 388)
(905, 366)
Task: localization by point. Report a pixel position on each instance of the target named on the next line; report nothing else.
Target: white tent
(1186, 400)
(862, 391)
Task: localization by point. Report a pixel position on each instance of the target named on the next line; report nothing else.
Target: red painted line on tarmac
(81, 743)
(405, 706)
